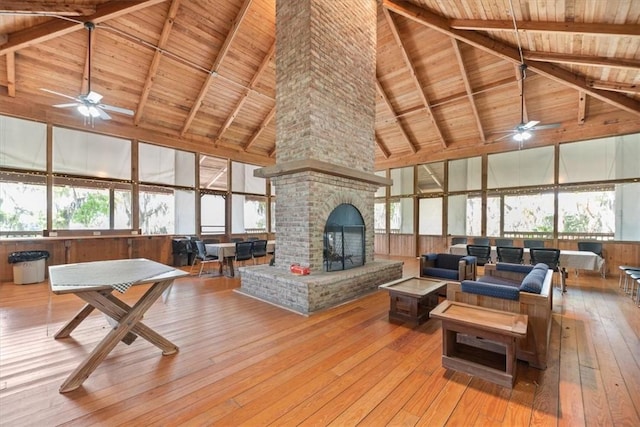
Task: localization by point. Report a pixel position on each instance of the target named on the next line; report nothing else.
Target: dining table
(579, 260)
(98, 283)
(226, 253)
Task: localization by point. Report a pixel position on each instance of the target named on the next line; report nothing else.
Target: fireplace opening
(344, 239)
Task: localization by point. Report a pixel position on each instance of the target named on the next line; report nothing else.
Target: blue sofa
(448, 266)
(516, 288)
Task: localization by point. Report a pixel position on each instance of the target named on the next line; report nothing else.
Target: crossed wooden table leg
(129, 325)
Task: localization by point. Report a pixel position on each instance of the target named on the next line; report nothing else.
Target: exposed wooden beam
(256, 77)
(615, 87)
(510, 54)
(626, 30)
(383, 148)
(216, 65)
(261, 129)
(155, 62)
(58, 27)
(216, 177)
(385, 98)
(11, 74)
(468, 89)
(47, 8)
(594, 61)
(414, 77)
(582, 107)
(432, 175)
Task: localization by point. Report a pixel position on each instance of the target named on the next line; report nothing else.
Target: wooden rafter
(593, 61)
(11, 74)
(58, 27)
(48, 7)
(385, 98)
(510, 54)
(414, 76)
(582, 107)
(383, 148)
(155, 62)
(626, 30)
(261, 129)
(256, 77)
(615, 87)
(467, 87)
(216, 65)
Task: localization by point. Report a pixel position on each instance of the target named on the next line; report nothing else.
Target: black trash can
(181, 249)
(28, 266)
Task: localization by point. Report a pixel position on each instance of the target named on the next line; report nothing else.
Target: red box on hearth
(299, 270)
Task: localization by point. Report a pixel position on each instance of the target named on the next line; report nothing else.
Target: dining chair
(483, 241)
(481, 252)
(596, 248)
(504, 242)
(259, 249)
(529, 243)
(244, 251)
(510, 254)
(551, 257)
(458, 241)
(202, 256)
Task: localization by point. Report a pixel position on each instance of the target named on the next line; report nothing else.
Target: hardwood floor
(245, 362)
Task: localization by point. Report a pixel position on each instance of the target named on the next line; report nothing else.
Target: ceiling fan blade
(531, 124)
(93, 97)
(117, 109)
(548, 126)
(59, 94)
(71, 104)
(511, 133)
(103, 114)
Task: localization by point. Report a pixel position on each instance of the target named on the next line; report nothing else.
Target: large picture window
(23, 144)
(212, 214)
(248, 214)
(23, 204)
(430, 216)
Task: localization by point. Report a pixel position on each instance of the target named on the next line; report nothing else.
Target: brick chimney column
(325, 115)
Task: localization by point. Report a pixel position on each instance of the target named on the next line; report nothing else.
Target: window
(23, 144)
(23, 204)
(465, 174)
(382, 190)
(380, 216)
(401, 215)
(161, 165)
(464, 215)
(402, 181)
(529, 215)
(212, 214)
(430, 216)
(248, 214)
(90, 154)
(430, 178)
(213, 173)
(521, 168)
(243, 181)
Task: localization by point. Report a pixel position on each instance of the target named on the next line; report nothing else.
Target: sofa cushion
(491, 290)
(499, 281)
(448, 261)
(445, 273)
(533, 281)
(516, 268)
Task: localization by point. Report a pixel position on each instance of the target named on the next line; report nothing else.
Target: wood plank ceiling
(201, 74)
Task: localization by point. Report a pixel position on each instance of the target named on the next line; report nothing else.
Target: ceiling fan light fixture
(522, 136)
(88, 111)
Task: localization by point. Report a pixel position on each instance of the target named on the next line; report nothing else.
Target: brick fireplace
(325, 112)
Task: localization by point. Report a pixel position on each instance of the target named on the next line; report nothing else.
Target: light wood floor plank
(245, 362)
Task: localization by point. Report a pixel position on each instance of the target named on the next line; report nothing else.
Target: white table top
(113, 274)
(582, 260)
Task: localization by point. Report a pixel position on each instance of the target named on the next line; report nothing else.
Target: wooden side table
(501, 328)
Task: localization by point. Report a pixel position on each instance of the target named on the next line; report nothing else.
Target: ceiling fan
(89, 104)
(523, 131)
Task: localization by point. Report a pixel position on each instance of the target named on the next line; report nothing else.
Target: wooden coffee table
(410, 300)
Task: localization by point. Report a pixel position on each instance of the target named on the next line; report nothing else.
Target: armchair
(448, 266)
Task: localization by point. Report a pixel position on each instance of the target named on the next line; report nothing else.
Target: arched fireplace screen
(344, 239)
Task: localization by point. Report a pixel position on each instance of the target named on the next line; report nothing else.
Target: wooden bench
(501, 329)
